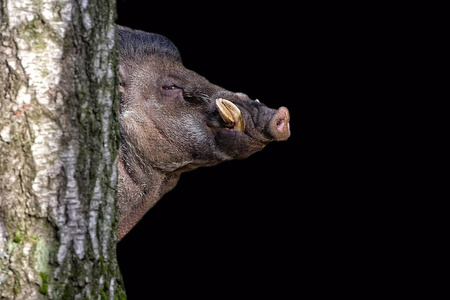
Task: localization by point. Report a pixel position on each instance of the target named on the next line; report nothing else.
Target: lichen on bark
(58, 150)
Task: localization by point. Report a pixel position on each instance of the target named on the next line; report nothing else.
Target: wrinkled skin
(172, 122)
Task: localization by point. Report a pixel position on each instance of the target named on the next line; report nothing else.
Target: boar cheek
(170, 135)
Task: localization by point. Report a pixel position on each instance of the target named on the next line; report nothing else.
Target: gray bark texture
(58, 150)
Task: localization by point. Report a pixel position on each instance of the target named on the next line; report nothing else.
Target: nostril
(279, 124)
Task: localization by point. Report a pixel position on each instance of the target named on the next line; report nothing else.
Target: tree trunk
(58, 150)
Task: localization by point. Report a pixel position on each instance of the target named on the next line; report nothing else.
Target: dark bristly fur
(169, 123)
(139, 44)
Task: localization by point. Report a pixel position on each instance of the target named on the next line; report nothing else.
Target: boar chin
(236, 144)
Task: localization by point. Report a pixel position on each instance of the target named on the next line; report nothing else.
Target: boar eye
(170, 87)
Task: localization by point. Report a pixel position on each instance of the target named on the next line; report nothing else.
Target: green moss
(43, 289)
(68, 293)
(122, 295)
(44, 276)
(16, 288)
(33, 239)
(44, 72)
(103, 295)
(102, 264)
(34, 30)
(19, 236)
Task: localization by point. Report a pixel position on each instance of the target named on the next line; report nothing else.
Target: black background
(290, 221)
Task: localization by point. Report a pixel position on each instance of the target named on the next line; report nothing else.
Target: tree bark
(58, 150)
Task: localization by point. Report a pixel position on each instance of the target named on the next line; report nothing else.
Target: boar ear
(123, 78)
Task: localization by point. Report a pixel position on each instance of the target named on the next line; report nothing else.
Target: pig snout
(278, 126)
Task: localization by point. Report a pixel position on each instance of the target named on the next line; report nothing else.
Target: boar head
(173, 120)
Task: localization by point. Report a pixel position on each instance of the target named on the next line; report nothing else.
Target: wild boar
(173, 120)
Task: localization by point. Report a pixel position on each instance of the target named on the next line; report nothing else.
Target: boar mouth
(268, 125)
(243, 128)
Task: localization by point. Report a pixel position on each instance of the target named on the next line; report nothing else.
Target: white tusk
(230, 113)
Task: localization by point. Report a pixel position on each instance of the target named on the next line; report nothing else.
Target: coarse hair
(136, 44)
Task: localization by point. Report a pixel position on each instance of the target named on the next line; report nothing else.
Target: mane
(135, 44)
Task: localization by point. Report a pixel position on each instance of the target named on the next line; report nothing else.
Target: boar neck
(139, 191)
